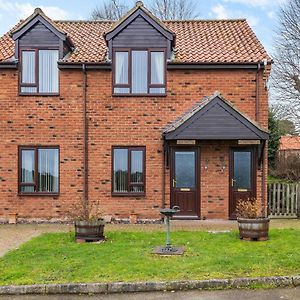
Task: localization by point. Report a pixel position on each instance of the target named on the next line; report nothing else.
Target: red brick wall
(118, 121)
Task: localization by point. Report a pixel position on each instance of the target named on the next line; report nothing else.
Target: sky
(261, 14)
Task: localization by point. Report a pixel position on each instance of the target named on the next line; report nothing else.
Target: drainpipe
(257, 118)
(85, 140)
(257, 115)
(263, 183)
(164, 176)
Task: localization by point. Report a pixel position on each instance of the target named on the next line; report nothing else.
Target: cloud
(23, 10)
(258, 3)
(219, 11)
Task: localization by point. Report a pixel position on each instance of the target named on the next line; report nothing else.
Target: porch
(214, 156)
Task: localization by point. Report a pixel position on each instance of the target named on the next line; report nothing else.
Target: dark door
(242, 177)
(184, 182)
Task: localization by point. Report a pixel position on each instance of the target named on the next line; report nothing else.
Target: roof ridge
(164, 21)
(84, 21)
(207, 20)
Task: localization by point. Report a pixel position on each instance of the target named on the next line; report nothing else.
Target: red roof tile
(289, 142)
(209, 41)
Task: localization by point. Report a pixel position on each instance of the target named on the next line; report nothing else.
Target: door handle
(233, 181)
(173, 182)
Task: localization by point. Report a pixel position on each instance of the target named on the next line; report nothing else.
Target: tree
(163, 9)
(286, 127)
(110, 10)
(174, 9)
(286, 69)
(274, 138)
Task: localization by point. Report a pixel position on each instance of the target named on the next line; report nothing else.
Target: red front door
(184, 181)
(242, 177)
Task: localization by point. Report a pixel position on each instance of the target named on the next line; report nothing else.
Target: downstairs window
(128, 171)
(38, 170)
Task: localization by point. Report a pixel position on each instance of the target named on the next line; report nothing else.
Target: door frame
(231, 170)
(197, 178)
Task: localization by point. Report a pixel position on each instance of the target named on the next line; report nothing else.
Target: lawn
(126, 256)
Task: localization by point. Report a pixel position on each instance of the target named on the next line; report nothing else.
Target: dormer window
(39, 71)
(139, 71)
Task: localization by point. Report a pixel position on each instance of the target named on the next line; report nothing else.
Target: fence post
(298, 201)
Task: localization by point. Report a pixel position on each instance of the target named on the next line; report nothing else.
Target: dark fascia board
(235, 114)
(170, 66)
(8, 65)
(38, 18)
(206, 66)
(126, 22)
(88, 66)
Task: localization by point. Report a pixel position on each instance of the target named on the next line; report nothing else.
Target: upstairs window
(139, 72)
(39, 71)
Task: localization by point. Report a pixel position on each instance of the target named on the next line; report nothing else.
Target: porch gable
(214, 118)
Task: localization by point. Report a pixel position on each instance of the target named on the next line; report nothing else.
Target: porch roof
(214, 118)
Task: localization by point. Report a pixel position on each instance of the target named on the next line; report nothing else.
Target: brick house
(289, 145)
(138, 114)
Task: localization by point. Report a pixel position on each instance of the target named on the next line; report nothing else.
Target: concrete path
(12, 236)
(269, 294)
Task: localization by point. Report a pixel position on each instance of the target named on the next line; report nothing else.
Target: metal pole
(168, 243)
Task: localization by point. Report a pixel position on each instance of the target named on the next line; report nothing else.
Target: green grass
(126, 256)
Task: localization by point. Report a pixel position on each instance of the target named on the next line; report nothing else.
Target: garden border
(123, 287)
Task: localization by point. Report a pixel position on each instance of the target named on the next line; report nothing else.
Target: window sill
(39, 194)
(39, 94)
(141, 195)
(139, 95)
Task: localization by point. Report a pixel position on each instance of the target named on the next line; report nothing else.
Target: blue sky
(261, 14)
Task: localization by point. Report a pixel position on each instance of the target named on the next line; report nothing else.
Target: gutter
(170, 66)
(204, 66)
(87, 66)
(8, 65)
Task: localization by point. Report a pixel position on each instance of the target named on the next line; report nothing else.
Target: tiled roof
(210, 41)
(289, 142)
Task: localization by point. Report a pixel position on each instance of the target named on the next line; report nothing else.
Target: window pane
(137, 189)
(121, 90)
(185, 169)
(157, 67)
(28, 89)
(28, 67)
(48, 170)
(27, 168)
(137, 159)
(157, 90)
(48, 71)
(139, 72)
(121, 68)
(242, 170)
(27, 189)
(120, 179)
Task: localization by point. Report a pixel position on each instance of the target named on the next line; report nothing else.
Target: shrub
(287, 167)
(248, 209)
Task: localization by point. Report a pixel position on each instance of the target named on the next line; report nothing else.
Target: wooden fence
(284, 200)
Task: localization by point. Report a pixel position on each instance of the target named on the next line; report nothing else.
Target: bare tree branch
(286, 70)
(174, 9)
(163, 9)
(109, 10)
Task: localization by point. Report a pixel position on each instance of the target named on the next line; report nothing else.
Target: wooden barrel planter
(89, 231)
(254, 229)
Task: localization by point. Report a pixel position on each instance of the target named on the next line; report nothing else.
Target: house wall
(115, 121)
